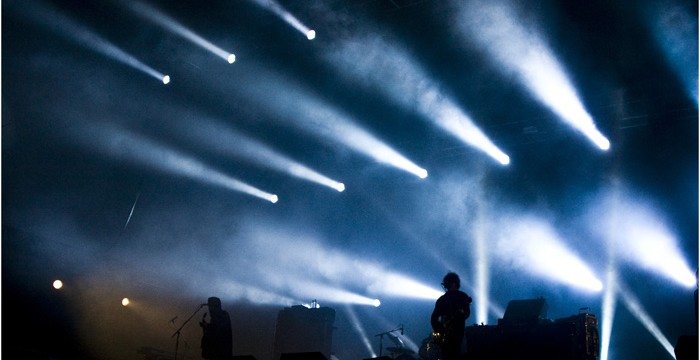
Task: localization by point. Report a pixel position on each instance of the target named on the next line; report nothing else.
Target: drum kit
(400, 353)
(429, 349)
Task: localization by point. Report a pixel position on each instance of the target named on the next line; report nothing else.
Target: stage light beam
(519, 49)
(325, 121)
(177, 28)
(319, 265)
(641, 236)
(676, 32)
(636, 308)
(224, 140)
(531, 244)
(115, 141)
(407, 84)
(360, 330)
(608, 312)
(285, 15)
(60, 24)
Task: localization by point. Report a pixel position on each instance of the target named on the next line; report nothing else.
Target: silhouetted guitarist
(449, 317)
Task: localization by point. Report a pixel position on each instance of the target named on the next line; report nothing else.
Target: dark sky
(109, 177)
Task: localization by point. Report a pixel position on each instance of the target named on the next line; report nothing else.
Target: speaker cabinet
(304, 330)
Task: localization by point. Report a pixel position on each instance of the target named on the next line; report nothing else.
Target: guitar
(438, 338)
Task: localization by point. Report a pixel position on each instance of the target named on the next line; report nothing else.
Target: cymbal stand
(381, 337)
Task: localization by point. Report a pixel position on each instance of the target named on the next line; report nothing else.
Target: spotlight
(166, 79)
(504, 159)
(57, 284)
(422, 173)
(274, 199)
(376, 303)
(311, 34)
(125, 301)
(340, 187)
(231, 58)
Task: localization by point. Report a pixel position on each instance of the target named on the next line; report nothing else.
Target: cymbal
(399, 350)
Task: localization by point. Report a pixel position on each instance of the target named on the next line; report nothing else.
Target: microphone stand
(381, 338)
(179, 330)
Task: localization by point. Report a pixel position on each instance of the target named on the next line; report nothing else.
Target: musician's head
(214, 303)
(450, 281)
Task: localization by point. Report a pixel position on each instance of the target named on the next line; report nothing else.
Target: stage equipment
(525, 333)
(303, 356)
(399, 344)
(304, 330)
(177, 332)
